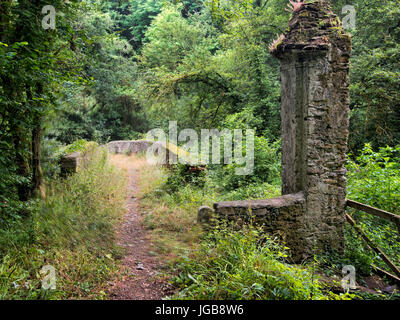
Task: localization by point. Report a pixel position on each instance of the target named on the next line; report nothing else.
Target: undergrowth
(245, 265)
(374, 179)
(70, 230)
(222, 264)
(227, 265)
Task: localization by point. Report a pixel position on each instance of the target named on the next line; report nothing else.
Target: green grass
(245, 265)
(71, 230)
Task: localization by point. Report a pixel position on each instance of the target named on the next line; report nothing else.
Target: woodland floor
(140, 269)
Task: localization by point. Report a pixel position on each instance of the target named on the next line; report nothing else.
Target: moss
(304, 14)
(314, 26)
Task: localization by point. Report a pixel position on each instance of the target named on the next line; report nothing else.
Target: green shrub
(53, 150)
(245, 264)
(253, 191)
(374, 179)
(181, 175)
(267, 166)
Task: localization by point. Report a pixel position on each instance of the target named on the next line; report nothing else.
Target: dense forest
(113, 70)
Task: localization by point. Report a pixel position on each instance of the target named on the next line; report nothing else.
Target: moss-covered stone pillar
(314, 55)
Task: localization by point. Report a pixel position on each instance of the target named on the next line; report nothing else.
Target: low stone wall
(70, 163)
(281, 217)
(128, 146)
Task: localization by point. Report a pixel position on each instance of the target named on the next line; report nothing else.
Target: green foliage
(254, 191)
(374, 180)
(171, 33)
(72, 230)
(244, 265)
(53, 150)
(104, 107)
(183, 81)
(374, 73)
(266, 169)
(182, 175)
(134, 17)
(375, 90)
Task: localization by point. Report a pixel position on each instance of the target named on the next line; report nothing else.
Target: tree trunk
(37, 130)
(22, 165)
(36, 153)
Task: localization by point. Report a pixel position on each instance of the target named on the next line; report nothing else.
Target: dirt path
(140, 269)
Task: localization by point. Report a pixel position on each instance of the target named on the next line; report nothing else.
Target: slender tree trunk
(20, 160)
(37, 176)
(37, 130)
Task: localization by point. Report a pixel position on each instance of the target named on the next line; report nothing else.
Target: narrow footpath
(140, 269)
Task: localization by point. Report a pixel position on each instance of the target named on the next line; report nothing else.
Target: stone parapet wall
(128, 146)
(280, 217)
(70, 163)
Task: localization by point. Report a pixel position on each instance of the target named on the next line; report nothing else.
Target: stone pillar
(315, 57)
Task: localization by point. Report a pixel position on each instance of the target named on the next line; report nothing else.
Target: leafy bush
(53, 150)
(77, 146)
(244, 265)
(374, 179)
(266, 169)
(264, 182)
(253, 191)
(182, 175)
(10, 178)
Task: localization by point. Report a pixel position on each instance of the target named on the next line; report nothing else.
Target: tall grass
(71, 230)
(243, 265)
(172, 220)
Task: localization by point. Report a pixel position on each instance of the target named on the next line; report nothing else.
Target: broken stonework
(314, 55)
(73, 162)
(128, 146)
(70, 163)
(161, 150)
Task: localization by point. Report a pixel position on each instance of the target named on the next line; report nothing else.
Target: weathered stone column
(314, 55)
